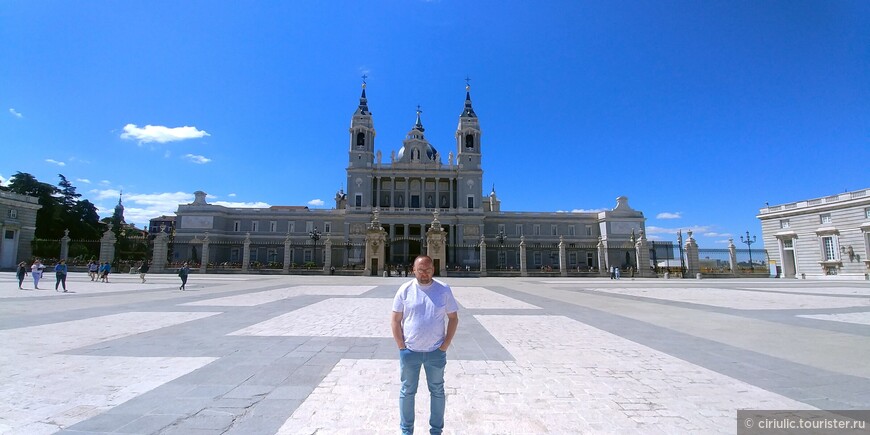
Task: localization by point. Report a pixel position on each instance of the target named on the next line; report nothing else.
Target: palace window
(536, 230)
(867, 213)
(255, 226)
(469, 141)
(12, 213)
(571, 231)
(588, 230)
(291, 227)
(272, 255)
(519, 229)
(360, 140)
(536, 258)
(554, 230)
(829, 248)
(825, 218)
(327, 227)
(358, 200)
(470, 202)
(273, 226)
(237, 226)
(309, 226)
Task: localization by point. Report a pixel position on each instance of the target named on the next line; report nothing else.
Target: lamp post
(314, 235)
(680, 244)
(749, 243)
(501, 237)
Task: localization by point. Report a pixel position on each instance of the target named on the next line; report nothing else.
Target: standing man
(60, 271)
(421, 309)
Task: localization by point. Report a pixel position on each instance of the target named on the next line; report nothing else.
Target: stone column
(436, 244)
(107, 246)
(246, 252)
(693, 260)
(524, 271)
(64, 245)
(563, 260)
(642, 255)
(203, 264)
(287, 259)
(158, 256)
(602, 258)
(732, 256)
(482, 256)
(376, 239)
(327, 255)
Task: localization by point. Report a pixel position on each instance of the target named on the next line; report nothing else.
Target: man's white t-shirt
(424, 313)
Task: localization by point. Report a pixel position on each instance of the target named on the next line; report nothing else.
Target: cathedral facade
(404, 197)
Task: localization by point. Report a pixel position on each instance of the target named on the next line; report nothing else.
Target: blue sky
(699, 112)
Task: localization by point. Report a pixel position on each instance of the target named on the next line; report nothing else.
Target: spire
(468, 110)
(363, 108)
(419, 124)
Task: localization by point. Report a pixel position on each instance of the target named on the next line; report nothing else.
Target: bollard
(667, 275)
(697, 276)
(803, 276)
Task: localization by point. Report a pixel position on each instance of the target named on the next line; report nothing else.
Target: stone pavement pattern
(305, 355)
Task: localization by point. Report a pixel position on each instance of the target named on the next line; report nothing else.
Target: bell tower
(362, 134)
(468, 156)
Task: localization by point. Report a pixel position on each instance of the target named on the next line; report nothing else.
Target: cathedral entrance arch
(404, 250)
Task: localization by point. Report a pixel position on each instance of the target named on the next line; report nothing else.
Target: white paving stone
(740, 299)
(358, 317)
(481, 298)
(596, 382)
(862, 318)
(265, 297)
(44, 391)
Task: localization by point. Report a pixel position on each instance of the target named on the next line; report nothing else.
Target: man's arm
(396, 326)
(452, 323)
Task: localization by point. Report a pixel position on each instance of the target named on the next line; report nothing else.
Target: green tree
(49, 222)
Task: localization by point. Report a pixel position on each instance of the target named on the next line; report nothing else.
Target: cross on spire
(364, 77)
(467, 81)
(419, 110)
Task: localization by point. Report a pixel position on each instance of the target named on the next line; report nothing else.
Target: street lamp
(314, 235)
(501, 237)
(749, 243)
(680, 244)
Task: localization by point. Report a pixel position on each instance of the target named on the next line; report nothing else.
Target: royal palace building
(415, 200)
(826, 237)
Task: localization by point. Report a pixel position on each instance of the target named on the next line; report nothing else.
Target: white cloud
(4, 181)
(668, 215)
(15, 113)
(55, 162)
(242, 204)
(714, 234)
(197, 159)
(83, 180)
(316, 202)
(105, 182)
(232, 195)
(161, 134)
(104, 194)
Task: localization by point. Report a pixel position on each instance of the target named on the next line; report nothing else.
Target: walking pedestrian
(36, 272)
(143, 269)
(421, 308)
(60, 270)
(612, 272)
(105, 269)
(20, 273)
(182, 273)
(93, 268)
(616, 271)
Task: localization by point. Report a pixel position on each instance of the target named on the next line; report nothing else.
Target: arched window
(469, 141)
(360, 140)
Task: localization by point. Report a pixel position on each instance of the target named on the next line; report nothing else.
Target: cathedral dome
(424, 147)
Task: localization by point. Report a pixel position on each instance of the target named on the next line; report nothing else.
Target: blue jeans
(410, 363)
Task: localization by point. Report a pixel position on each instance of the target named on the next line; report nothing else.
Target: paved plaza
(250, 354)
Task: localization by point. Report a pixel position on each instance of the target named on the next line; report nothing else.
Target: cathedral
(413, 201)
